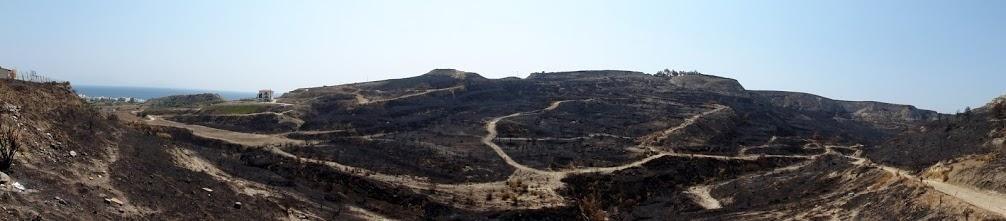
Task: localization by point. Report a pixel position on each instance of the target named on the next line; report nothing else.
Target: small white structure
(8, 73)
(264, 95)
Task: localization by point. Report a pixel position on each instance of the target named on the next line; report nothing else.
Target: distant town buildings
(103, 99)
(264, 95)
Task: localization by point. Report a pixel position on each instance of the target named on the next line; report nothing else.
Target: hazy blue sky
(941, 55)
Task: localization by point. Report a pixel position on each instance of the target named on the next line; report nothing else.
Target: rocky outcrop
(881, 114)
(453, 73)
(711, 83)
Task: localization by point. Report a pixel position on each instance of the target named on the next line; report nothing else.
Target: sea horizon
(147, 93)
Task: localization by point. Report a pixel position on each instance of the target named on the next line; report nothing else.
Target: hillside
(452, 145)
(80, 164)
(579, 141)
(185, 101)
(884, 115)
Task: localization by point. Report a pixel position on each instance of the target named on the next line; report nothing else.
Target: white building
(264, 95)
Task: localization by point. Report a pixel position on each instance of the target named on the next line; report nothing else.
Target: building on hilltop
(8, 73)
(264, 95)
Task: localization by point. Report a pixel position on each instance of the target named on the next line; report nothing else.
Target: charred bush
(9, 146)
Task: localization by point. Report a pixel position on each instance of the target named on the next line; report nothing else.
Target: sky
(940, 55)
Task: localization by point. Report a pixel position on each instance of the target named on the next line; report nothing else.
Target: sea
(147, 93)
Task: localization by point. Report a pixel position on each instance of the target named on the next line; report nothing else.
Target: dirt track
(246, 139)
(545, 183)
(362, 100)
(542, 184)
(989, 200)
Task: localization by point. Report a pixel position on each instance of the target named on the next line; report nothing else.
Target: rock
(207, 189)
(73, 153)
(237, 205)
(60, 200)
(10, 108)
(113, 201)
(18, 186)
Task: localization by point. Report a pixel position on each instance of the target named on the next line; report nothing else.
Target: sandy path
(989, 200)
(360, 99)
(541, 188)
(589, 136)
(546, 182)
(493, 133)
(700, 193)
(744, 150)
(649, 141)
(526, 188)
(246, 139)
(702, 197)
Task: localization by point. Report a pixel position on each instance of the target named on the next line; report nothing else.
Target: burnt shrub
(8, 147)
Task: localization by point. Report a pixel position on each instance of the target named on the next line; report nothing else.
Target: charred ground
(454, 145)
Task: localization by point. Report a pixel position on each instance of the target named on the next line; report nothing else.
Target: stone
(73, 153)
(4, 179)
(60, 200)
(113, 201)
(237, 205)
(207, 189)
(18, 186)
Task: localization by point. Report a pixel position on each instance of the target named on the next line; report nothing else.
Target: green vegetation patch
(185, 101)
(238, 108)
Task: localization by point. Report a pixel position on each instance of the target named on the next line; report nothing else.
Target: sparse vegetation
(998, 108)
(185, 101)
(239, 108)
(675, 73)
(9, 146)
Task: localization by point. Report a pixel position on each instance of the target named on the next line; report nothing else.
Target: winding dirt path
(493, 133)
(539, 191)
(593, 135)
(702, 197)
(527, 187)
(700, 193)
(651, 140)
(246, 139)
(362, 100)
(989, 200)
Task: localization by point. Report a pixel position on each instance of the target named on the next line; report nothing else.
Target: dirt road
(362, 100)
(246, 139)
(545, 183)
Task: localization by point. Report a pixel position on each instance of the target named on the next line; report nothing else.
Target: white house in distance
(264, 95)
(8, 73)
